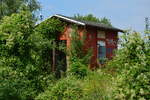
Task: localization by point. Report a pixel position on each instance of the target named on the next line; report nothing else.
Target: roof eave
(70, 20)
(103, 28)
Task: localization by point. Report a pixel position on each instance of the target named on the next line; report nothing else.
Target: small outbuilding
(102, 39)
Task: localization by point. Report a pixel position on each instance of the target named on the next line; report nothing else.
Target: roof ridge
(86, 23)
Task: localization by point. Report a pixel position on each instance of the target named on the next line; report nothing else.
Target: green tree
(24, 55)
(15, 57)
(43, 40)
(91, 17)
(132, 63)
(14, 34)
(21, 40)
(7, 7)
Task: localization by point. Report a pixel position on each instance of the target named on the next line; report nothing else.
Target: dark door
(61, 62)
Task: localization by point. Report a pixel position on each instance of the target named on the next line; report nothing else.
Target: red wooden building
(101, 38)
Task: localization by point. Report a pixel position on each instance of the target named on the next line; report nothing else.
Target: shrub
(78, 69)
(14, 85)
(79, 57)
(132, 65)
(25, 66)
(66, 89)
(97, 86)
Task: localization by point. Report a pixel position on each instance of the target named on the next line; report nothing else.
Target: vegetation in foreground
(25, 72)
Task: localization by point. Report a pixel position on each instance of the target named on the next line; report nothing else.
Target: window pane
(101, 49)
(109, 50)
(100, 34)
(102, 52)
(101, 43)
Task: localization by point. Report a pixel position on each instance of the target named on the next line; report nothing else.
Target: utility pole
(147, 23)
(147, 27)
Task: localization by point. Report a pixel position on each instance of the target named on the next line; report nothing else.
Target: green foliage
(97, 86)
(77, 50)
(65, 89)
(132, 65)
(8, 7)
(15, 85)
(147, 34)
(50, 28)
(78, 69)
(88, 17)
(24, 73)
(92, 18)
(44, 41)
(21, 44)
(14, 32)
(79, 57)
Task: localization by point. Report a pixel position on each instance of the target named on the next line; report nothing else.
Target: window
(101, 49)
(109, 51)
(101, 34)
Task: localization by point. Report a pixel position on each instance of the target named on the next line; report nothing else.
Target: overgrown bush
(97, 86)
(44, 40)
(132, 64)
(79, 58)
(66, 89)
(78, 69)
(14, 85)
(24, 73)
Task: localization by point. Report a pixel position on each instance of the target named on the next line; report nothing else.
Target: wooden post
(53, 66)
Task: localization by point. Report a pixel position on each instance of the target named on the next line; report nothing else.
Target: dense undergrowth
(25, 68)
(95, 86)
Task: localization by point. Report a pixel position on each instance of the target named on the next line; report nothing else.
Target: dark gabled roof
(87, 23)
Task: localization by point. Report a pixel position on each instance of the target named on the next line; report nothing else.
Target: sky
(123, 14)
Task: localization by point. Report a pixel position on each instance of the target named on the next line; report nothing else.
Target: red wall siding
(65, 35)
(91, 41)
(111, 42)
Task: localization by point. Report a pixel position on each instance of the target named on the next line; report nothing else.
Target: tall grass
(95, 86)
